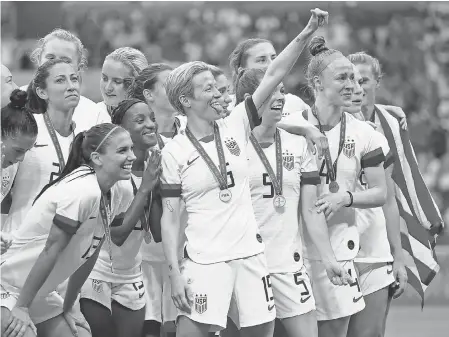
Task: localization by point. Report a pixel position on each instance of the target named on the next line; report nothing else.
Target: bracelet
(352, 199)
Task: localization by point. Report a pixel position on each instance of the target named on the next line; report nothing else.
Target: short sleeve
(373, 153)
(170, 177)
(309, 170)
(244, 115)
(8, 175)
(294, 105)
(73, 208)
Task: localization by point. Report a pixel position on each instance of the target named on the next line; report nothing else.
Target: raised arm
(284, 62)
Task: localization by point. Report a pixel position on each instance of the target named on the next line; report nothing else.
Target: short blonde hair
(364, 58)
(65, 35)
(179, 82)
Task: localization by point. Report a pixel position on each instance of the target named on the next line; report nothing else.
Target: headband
(328, 59)
(105, 137)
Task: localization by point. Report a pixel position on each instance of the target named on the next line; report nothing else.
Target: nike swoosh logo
(355, 300)
(305, 299)
(40, 145)
(191, 162)
(389, 271)
(141, 295)
(270, 307)
(92, 217)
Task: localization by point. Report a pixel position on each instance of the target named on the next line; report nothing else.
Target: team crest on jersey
(4, 296)
(349, 147)
(285, 113)
(5, 184)
(200, 303)
(97, 285)
(288, 160)
(232, 146)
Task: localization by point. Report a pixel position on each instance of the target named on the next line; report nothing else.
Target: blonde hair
(64, 35)
(179, 82)
(364, 58)
(132, 58)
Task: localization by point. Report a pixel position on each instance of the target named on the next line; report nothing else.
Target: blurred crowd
(410, 42)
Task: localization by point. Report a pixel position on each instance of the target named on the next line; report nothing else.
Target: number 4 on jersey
(324, 174)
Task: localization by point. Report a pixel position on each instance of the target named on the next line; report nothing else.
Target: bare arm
(376, 194)
(77, 279)
(282, 64)
(56, 242)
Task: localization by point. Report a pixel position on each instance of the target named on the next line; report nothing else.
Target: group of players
(173, 206)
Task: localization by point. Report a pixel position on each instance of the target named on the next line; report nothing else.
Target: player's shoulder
(295, 100)
(357, 126)
(290, 139)
(81, 182)
(86, 102)
(177, 146)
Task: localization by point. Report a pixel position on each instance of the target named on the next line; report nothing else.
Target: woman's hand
(337, 274)
(19, 322)
(153, 171)
(318, 19)
(331, 203)
(181, 293)
(316, 139)
(5, 242)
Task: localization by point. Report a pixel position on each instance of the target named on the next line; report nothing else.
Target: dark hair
(16, 119)
(247, 82)
(147, 78)
(119, 112)
(82, 147)
(320, 58)
(36, 104)
(239, 55)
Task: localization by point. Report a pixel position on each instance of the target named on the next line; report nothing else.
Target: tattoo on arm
(169, 206)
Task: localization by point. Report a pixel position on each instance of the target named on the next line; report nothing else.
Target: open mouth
(127, 167)
(217, 107)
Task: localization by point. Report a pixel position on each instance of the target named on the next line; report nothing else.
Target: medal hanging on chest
(332, 167)
(224, 194)
(105, 212)
(279, 200)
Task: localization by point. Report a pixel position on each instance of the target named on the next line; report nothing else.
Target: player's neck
(265, 134)
(367, 111)
(165, 120)
(61, 120)
(141, 156)
(200, 128)
(328, 113)
(104, 181)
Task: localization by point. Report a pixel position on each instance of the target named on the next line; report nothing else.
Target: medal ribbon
(105, 217)
(276, 179)
(54, 139)
(332, 168)
(160, 142)
(220, 177)
(145, 218)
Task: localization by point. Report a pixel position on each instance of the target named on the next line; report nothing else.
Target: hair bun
(18, 99)
(317, 45)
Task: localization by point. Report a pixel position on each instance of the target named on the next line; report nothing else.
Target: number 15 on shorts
(268, 292)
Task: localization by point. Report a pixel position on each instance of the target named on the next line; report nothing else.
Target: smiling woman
(52, 97)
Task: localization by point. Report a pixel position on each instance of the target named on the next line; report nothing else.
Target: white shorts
(292, 293)
(333, 301)
(159, 304)
(374, 276)
(240, 288)
(41, 309)
(130, 295)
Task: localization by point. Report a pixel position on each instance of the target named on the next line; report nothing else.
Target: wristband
(352, 199)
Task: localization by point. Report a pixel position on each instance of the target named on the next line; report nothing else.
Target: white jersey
(361, 149)
(280, 227)
(86, 113)
(73, 206)
(374, 244)
(126, 259)
(153, 251)
(39, 167)
(8, 175)
(216, 231)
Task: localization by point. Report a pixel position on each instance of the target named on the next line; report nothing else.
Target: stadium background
(411, 40)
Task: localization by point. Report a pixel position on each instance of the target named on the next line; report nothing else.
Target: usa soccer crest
(232, 146)
(4, 296)
(349, 148)
(288, 160)
(200, 303)
(97, 285)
